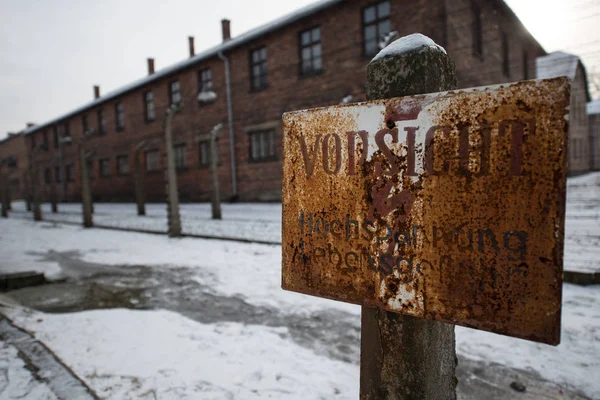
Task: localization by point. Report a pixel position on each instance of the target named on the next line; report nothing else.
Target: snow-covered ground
(262, 222)
(125, 353)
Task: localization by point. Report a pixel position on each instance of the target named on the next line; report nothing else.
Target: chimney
(96, 92)
(30, 124)
(150, 66)
(226, 29)
(191, 43)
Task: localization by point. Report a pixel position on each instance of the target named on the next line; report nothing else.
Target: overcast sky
(54, 51)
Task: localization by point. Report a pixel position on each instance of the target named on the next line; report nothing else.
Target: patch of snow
(593, 107)
(123, 354)
(415, 41)
(207, 97)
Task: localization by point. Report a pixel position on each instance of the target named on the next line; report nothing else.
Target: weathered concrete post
(5, 195)
(214, 173)
(404, 357)
(27, 191)
(138, 180)
(54, 197)
(35, 187)
(174, 221)
(86, 196)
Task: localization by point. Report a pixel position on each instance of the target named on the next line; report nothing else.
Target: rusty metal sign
(447, 206)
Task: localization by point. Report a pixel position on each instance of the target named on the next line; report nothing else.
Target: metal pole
(174, 221)
(138, 181)
(404, 357)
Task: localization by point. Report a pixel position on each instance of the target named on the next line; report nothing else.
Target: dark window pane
(384, 28)
(370, 32)
(305, 38)
(371, 47)
(316, 35)
(316, 50)
(306, 54)
(383, 9)
(317, 64)
(369, 15)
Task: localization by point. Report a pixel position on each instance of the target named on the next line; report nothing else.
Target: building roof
(204, 55)
(558, 64)
(593, 107)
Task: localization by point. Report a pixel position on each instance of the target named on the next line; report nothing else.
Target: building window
(152, 160)
(44, 140)
(104, 167)
(476, 31)
(175, 93)
(57, 174)
(101, 122)
(205, 80)
(262, 145)
(149, 106)
(180, 156)
(55, 136)
(84, 123)
(310, 51)
(47, 175)
(525, 65)
(120, 116)
(122, 165)
(376, 24)
(69, 172)
(90, 169)
(505, 54)
(258, 68)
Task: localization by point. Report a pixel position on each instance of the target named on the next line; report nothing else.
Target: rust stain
(448, 206)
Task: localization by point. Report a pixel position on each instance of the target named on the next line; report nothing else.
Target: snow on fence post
(174, 221)
(86, 196)
(405, 357)
(138, 179)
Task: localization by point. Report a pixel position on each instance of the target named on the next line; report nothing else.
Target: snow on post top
(406, 44)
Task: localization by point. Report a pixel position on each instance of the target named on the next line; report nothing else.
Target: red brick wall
(447, 22)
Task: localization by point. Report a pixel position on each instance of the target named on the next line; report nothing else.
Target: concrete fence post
(34, 185)
(404, 357)
(54, 198)
(5, 194)
(174, 221)
(214, 173)
(86, 195)
(138, 180)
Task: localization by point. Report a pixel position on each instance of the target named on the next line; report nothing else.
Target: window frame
(201, 79)
(311, 45)
(146, 160)
(271, 142)
(120, 157)
(177, 156)
(149, 103)
(375, 22)
(119, 116)
(101, 121)
(263, 78)
(104, 162)
(173, 93)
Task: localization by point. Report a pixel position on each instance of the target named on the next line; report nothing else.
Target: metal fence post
(403, 357)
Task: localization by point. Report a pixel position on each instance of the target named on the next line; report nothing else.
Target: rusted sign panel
(448, 206)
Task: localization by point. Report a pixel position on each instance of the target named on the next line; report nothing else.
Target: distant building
(593, 111)
(14, 165)
(316, 56)
(580, 142)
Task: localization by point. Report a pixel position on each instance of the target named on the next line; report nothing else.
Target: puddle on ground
(88, 286)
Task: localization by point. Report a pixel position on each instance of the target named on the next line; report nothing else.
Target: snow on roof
(593, 107)
(557, 64)
(407, 43)
(211, 52)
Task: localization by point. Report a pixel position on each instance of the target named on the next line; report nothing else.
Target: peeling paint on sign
(447, 206)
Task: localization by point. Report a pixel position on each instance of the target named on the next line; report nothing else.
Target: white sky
(54, 51)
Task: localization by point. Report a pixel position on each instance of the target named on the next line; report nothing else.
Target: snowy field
(154, 353)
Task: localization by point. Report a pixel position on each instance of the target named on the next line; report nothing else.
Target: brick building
(14, 165)
(580, 142)
(313, 57)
